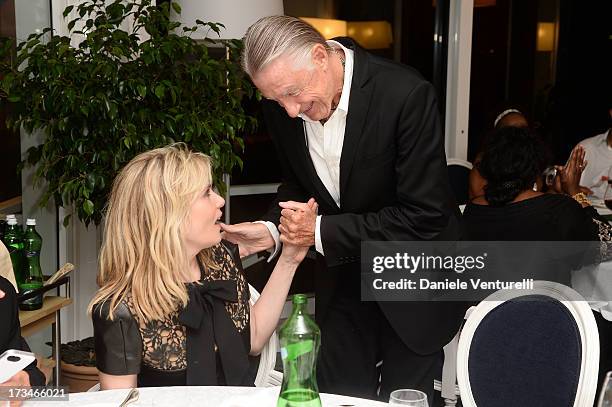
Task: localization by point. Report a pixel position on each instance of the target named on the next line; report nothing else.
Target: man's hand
(250, 237)
(19, 379)
(298, 222)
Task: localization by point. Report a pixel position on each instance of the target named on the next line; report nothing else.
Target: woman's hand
(569, 175)
(250, 237)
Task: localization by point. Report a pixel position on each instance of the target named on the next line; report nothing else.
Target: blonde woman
(173, 305)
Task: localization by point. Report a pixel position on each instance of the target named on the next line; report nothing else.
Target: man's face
(298, 90)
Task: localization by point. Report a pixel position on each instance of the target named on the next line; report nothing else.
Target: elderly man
(360, 135)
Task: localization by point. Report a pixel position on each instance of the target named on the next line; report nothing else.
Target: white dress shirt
(325, 147)
(599, 161)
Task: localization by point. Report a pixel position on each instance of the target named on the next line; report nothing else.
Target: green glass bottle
(300, 339)
(14, 243)
(32, 243)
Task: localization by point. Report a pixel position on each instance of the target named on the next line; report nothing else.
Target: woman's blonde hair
(143, 253)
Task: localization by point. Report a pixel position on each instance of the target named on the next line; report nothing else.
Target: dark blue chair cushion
(526, 353)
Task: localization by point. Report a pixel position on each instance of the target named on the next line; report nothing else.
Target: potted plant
(135, 81)
(78, 365)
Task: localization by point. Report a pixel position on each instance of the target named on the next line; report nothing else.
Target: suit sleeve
(15, 340)
(289, 189)
(422, 209)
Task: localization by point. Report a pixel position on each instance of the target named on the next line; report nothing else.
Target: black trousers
(355, 336)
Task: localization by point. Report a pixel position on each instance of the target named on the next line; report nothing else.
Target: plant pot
(78, 378)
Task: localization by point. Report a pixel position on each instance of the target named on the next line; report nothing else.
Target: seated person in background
(599, 160)
(511, 117)
(511, 210)
(10, 337)
(173, 305)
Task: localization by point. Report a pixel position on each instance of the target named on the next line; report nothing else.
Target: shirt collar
(343, 104)
(603, 138)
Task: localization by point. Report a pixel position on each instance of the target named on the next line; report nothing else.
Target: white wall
(33, 16)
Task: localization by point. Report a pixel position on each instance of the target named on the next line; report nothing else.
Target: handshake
(297, 231)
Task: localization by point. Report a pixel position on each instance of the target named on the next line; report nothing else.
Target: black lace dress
(206, 343)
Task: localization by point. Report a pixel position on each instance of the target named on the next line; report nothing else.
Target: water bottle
(300, 339)
(14, 244)
(32, 243)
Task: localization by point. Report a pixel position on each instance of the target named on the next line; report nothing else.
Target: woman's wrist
(288, 262)
(573, 190)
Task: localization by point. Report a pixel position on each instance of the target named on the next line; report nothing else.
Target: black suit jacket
(393, 186)
(10, 330)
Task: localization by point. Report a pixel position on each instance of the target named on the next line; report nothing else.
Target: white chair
(507, 354)
(448, 387)
(266, 375)
(460, 162)
(458, 175)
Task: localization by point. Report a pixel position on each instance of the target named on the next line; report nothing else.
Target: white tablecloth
(213, 396)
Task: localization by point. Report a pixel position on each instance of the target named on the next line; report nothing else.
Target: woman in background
(511, 210)
(173, 305)
(510, 117)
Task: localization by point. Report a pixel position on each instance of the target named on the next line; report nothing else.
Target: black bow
(208, 323)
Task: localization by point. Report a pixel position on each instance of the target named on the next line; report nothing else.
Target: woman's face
(201, 229)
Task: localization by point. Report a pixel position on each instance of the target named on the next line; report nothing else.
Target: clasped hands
(297, 228)
(298, 222)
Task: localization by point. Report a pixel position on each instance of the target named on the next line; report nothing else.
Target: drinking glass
(549, 175)
(608, 194)
(408, 397)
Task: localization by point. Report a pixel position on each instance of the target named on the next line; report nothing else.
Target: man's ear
(319, 56)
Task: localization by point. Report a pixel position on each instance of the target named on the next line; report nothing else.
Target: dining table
(601, 208)
(200, 396)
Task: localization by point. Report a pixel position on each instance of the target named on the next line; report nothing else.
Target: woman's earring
(535, 187)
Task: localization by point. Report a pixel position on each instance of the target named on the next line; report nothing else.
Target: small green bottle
(32, 243)
(14, 243)
(300, 339)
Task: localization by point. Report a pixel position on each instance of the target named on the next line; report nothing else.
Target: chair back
(459, 174)
(535, 347)
(266, 375)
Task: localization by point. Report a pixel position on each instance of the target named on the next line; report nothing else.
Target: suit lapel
(359, 103)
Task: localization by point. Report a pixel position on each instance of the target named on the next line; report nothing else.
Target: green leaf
(159, 91)
(176, 7)
(115, 95)
(88, 207)
(67, 10)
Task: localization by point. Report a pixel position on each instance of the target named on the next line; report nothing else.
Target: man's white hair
(270, 37)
